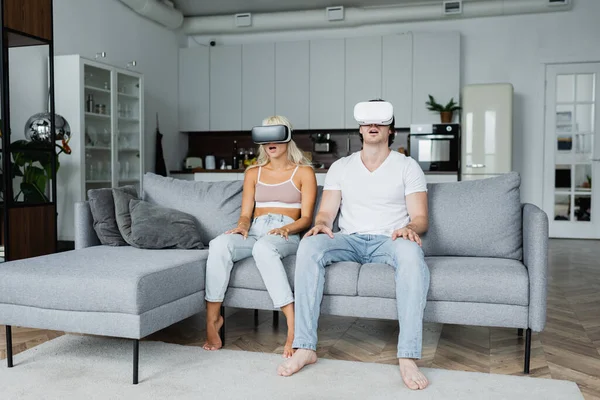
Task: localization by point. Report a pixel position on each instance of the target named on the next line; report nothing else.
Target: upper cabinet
(436, 71)
(258, 83)
(315, 84)
(226, 88)
(327, 107)
(363, 74)
(397, 72)
(194, 82)
(292, 82)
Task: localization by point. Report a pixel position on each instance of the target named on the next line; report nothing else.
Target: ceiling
(229, 7)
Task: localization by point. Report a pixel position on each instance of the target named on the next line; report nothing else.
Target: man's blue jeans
(315, 253)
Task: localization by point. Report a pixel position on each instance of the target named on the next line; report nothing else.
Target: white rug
(82, 367)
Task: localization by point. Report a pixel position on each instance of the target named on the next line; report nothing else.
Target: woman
(277, 204)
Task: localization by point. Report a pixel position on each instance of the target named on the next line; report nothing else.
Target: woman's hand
(283, 232)
(240, 230)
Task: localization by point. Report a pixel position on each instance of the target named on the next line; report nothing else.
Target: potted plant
(446, 111)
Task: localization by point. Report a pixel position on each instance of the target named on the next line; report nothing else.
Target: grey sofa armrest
(85, 235)
(535, 258)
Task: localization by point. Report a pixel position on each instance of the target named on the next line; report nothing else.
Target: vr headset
(271, 134)
(374, 112)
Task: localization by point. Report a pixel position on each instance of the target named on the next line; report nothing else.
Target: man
(383, 198)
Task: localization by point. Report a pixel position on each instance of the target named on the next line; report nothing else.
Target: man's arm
(330, 204)
(416, 205)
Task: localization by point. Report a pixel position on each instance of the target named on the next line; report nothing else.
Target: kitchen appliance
(193, 162)
(435, 147)
(322, 143)
(210, 162)
(487, 121)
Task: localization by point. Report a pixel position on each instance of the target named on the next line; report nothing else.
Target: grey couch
(486, 251)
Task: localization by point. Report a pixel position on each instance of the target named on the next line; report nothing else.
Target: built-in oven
(436, 147)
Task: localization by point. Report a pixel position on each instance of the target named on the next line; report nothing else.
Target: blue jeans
(315, 253)
(267, 250)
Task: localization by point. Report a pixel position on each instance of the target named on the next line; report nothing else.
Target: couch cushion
(480, 218)
(103, 279)
(461, 279)
(102, 208)
(215, 205)
(340, 278)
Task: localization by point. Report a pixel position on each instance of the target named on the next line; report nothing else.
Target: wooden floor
(569, 347)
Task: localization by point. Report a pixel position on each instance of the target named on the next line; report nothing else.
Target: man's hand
(240, 230)
(319, 229)
(407, 234)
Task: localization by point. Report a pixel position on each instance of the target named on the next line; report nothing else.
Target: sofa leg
(520, 332)
(9, 354)
(275, 319)
(136, 358)
(222, 330)
(255, 317)
(527, 350)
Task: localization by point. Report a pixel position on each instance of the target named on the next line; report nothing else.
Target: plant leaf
(32, 194)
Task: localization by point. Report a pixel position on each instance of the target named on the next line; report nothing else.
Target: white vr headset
(271, 134)
(374, 112)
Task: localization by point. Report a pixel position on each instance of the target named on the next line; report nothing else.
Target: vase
(446, 117)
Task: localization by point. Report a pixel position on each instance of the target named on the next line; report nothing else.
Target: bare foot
(213, 340)
(300, 359)
(412, 377)
(288, 351)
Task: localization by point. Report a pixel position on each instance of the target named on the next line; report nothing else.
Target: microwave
(436, 147)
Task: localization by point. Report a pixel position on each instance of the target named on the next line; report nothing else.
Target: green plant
(432, 105)
(32, 161)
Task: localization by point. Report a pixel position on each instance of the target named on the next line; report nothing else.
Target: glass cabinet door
(129, 130)
(98, 127)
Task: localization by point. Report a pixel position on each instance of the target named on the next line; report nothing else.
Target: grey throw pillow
(149, 226)
(102, 207)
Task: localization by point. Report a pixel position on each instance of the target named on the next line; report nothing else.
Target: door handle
(475, 165)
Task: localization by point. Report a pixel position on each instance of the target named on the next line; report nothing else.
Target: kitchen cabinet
(194, 82)
(327, 106)
(226, 88)
(362, 73)
(436, 71)
(292, 82)
(258, 83)
(396, 79)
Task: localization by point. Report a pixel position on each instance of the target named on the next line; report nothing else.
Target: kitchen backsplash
(220, 144)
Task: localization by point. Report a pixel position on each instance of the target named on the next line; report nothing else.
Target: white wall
(498, 49)
(87, 27)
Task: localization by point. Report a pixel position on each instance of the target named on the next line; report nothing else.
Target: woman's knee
(264, 247)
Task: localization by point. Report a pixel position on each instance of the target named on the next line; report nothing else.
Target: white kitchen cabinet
(396, 80)
(436, 71)
(258, 83)
(362, 73)
(218, 176)
(441, 178)
(194, 95)
(226, 88)
(184, 176)
(327, 106)
(292, 82)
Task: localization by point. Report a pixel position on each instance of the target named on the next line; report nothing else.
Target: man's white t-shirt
(375, 202)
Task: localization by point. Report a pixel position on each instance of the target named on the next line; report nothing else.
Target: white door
(572, 148)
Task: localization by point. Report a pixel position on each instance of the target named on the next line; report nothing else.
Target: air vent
(335, 13)
(243, 20)
(452, 7)
(558, 2)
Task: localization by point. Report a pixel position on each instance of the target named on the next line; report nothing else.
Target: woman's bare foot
(213, 340)
(412, 377)
(300, 359)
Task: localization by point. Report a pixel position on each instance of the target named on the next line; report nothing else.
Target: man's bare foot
(288, 351)
(300, 359)
(213, 340)
(412, 377)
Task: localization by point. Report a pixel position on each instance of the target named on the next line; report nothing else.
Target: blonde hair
(295, 155)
